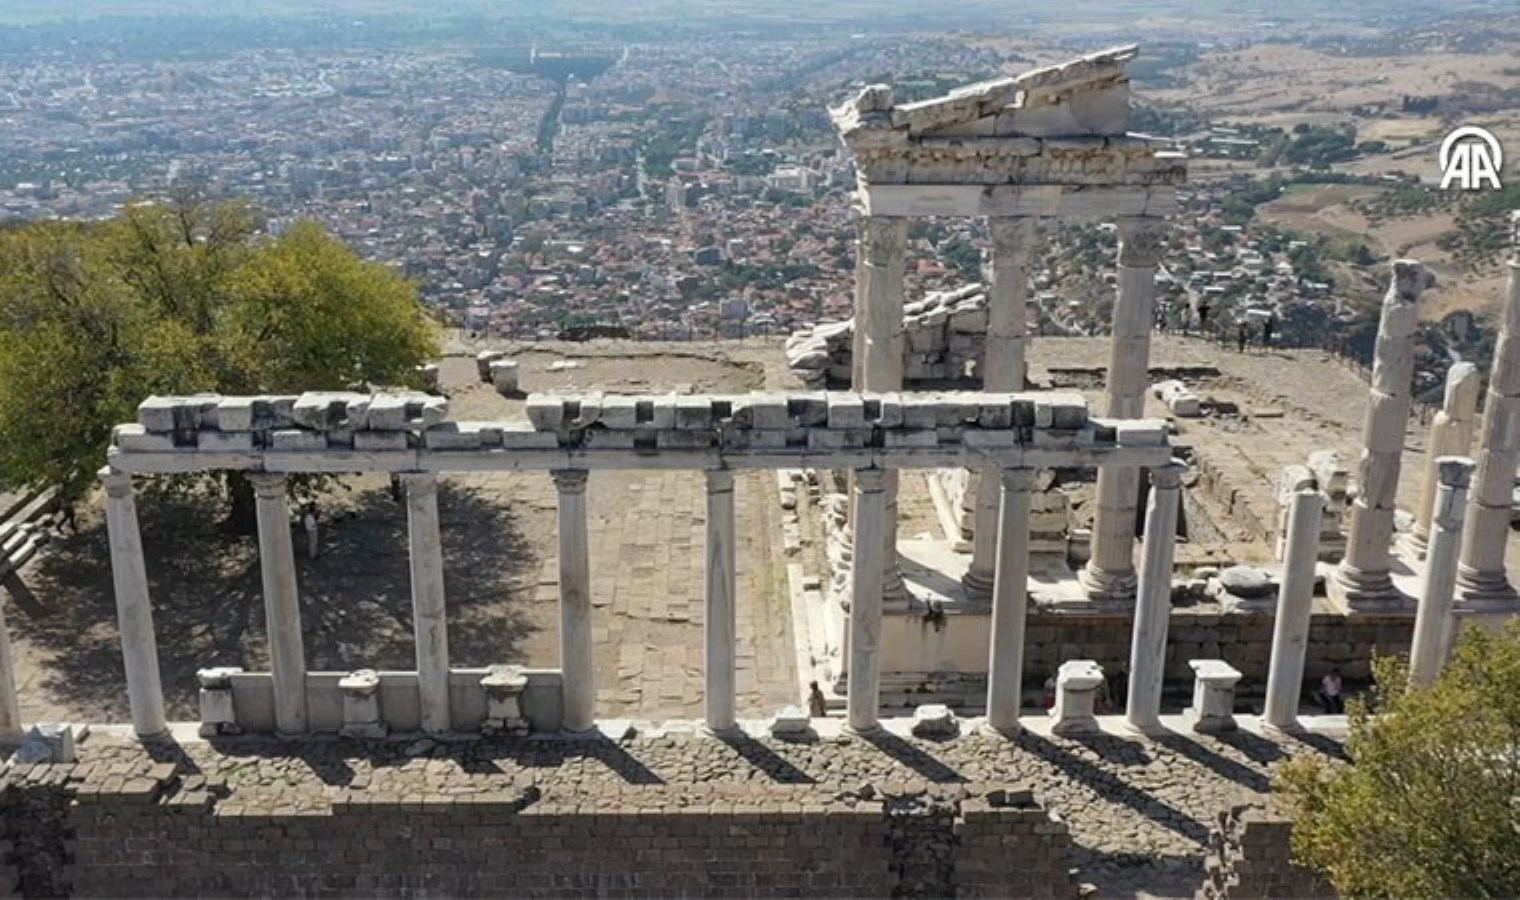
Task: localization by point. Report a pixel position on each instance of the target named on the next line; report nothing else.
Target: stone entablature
(1050, 142)
(346, 432)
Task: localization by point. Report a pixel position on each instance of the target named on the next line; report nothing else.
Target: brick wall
(172, 836)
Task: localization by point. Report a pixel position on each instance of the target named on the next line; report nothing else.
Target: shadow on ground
(208, 603)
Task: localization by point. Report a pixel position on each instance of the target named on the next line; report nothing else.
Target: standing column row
(1482, 582)
(1004, 366)
(1110, 571)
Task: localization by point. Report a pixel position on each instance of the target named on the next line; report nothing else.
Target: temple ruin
(936, 643)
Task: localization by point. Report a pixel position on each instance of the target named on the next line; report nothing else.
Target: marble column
(1295, 606)
(1003, 370)
(577, 660)
(866, 571)
(1433, 626)
(1362, 580)
(722, 587)
(1153, 601)
(879, 331)
(282, 603)
(10, 704)
(1005, 662)
(429, 615)
(134, 612)
(1110, 570)
(1483, 585)
(1451, 434)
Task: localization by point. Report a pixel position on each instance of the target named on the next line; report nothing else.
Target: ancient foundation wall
(1250, 853)
(176, 835)
(949, 658)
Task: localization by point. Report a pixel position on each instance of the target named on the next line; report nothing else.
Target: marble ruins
(908, 638)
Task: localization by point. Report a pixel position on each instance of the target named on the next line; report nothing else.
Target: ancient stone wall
(1244, 640)
(172, 833)
(1250, 856)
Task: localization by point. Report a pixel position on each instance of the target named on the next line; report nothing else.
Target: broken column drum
(1363, 579)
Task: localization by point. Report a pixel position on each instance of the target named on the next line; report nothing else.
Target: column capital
(1018, 479)
(267, 485)
(569, 481)
(720, 481)
(882, 239)
(870, 481)
(1140, 239)
(1169, 476)
(117, 484)
(1013, 235)
(419, 483)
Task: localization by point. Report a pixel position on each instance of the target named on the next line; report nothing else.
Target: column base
(1484, 592)
(1102, 585)
(977, 585)
(1363, 591)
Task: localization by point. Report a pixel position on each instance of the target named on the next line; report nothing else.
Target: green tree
(1430, 805)
(180, 298)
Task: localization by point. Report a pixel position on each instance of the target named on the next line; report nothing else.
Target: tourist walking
(1242, 335)
(1267, 327)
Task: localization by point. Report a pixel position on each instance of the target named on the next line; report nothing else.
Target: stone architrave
(1153, 606)
(429, 611)
(1362, 580)
(1110, 571)
(1003, 370)
(1451, 434)
(134, 612)
(577, 660)
(282, 603)
(1433, 627)
(1483, 585)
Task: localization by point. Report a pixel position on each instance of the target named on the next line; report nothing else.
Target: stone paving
(1138, 809)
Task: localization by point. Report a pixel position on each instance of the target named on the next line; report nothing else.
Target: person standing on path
(1242, 335)
(1267, 327)
(310, 524)
(818, 708)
